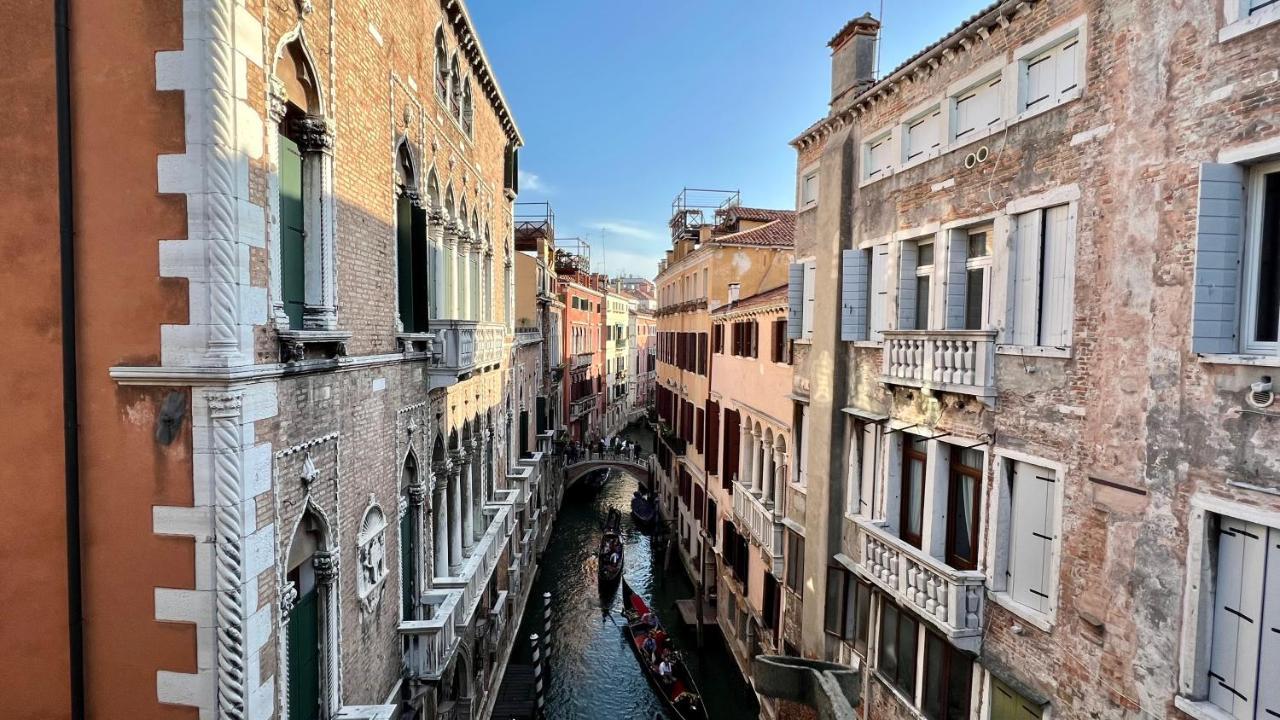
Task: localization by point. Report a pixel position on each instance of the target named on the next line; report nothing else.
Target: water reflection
(593, 674)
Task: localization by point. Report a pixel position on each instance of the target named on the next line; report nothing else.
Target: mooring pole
(539, 696)
(546, 627)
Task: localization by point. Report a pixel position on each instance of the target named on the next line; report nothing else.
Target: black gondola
(610, 553)
(678, 692)
(644, 509)
(595, 479)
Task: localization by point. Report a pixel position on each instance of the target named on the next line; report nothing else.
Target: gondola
(610, 553)
(595, 479)
(644, 509)
(679, 694)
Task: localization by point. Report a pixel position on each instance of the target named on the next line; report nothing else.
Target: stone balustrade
(459, 347)
(948, 598)
(961, 361)
(762, 522)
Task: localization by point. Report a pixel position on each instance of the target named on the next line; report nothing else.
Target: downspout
(70, 403)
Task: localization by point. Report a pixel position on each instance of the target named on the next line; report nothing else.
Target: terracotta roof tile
(779, 232)
(767, 297)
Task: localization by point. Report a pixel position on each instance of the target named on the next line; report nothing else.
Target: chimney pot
(734, 290)
(853, 57)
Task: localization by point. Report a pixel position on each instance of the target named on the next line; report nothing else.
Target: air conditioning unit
(1261, 395)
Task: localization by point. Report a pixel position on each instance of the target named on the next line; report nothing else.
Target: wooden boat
(679, 693)
(595, 479)
(610, 553)
(644, 509)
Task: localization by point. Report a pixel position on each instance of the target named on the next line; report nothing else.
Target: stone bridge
(640, 466)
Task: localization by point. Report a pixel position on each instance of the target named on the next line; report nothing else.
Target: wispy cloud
(531, 182)
(626, 230)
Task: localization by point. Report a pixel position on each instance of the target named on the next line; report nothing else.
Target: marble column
(455, 521)
(435, 232)
(450, 238)
(468, 514)
(440, 518)
(766, 471)
(462, 288)
(477, 491)
(744, 456)
(779, 462)
(755, 463)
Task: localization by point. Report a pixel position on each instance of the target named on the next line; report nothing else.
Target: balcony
(581, 407)
(950, 599)
(460, 347)
(452, 602)
(958, 361)
(581, 360)
(762, 522)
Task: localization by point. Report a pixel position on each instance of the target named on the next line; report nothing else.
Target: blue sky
(622, 104)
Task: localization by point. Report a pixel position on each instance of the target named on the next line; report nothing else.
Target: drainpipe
(70, 409)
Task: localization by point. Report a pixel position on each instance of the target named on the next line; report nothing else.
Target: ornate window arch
(442, 65)
(412, 265)
(467, 111)
(309, 616)
(455, 87)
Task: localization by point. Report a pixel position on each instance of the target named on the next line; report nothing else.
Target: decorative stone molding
(372, 548)
(326, 564)
(417, 493)
(315, 134)
(309, 472)
(288, 599)
(231, 612)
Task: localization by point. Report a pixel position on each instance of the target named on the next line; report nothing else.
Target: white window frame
(983, 263)
(1002, 294)
(1000, 526)
(1238, 20)
(1051, 42)
(1255, 184)
(928, 272)
(931, 117)
(992, 82)
(808, 191)
(884, 139)
(1196, 645)
(810, 298)
(863, 466)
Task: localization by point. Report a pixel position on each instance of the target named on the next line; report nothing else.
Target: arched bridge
(639, 466)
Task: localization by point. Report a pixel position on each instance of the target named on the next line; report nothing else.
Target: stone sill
(1037, 619)
(1045, 351)
(1249, 24)
(1200, 709)
(1251, 360)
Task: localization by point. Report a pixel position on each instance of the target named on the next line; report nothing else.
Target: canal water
(594, 675)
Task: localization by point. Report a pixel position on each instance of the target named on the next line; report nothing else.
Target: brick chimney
(735, 289)
(853, 57)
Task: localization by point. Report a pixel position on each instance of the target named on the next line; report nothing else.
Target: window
(795, 563)
(976, 109)
(924, 282)
(862, 466)
(948, 677)
(1258, 5)
(810, 296)
(1262, 261)
(717, 339)
(923, 134)
(878, 315)
(801, 415)
(1009, 704)
(1032, 494)
(809, 190)
(1051, 75)
(467, 118)
(455, 87)
(1043, 273)
(915, 461)
(412, 248)
(1245, 622)
(442, 65)
(897, 661)
(848, 608)
(963, 507)
(977, 277)
(879, 159)
(779, 336)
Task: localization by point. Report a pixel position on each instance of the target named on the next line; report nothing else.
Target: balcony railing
(452, 603)
(582, 359)
(950, 599)
(762, 521)
(960, 361)
(463, 346)
(582, 406)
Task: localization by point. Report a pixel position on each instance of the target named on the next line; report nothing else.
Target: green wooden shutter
(408, 574)
(292, 237)
(421, 271)
(304, 658)
(404, 262)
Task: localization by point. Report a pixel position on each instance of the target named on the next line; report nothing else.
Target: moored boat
(610, 553)
(644, 509)
(675, 686)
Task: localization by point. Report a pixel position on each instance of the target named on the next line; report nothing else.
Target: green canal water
(593, 673)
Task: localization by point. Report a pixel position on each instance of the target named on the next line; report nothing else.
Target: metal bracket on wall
(833, 690)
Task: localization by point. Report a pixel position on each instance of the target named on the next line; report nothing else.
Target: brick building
(1042, 468)
(582, 293)
(302, 489)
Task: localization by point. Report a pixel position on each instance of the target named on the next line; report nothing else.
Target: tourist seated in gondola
(649, 619)
(651, 647)
(664, 672)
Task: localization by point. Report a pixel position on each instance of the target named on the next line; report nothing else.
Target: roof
(774, 296)
(778, 231)
(469, 39)
(752, 213)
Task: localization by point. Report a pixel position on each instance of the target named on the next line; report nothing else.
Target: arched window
(302, 252)
(311, 574)
(466, 107)
(411, 245)
(409, 541)
(442, 65)
(455, 87)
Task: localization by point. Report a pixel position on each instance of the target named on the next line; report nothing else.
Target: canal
(593, 673)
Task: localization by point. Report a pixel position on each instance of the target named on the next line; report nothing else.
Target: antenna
(879, 39)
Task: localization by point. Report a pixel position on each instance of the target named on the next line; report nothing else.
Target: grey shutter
(1237, 617)
(853, 295)
(907, 285)
(1268, 701)
(1025, 306)
(1219, 230)
(1031, 535)
(795, 300)
(879, 299)
(957, 278)
(1056, 291)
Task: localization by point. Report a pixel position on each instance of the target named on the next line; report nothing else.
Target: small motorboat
(644, 509)
(610, 553)
(676, 688)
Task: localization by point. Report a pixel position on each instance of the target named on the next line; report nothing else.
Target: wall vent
(1261, 395)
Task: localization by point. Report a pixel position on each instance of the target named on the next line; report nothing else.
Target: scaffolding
(573, 257)
(534, 221)
(691, 206)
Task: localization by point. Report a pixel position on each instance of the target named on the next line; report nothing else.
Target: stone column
(754, 466)
(455, 521)
(276, 110)
(417, 510)
(462, 288)
(779, 462)
(450, 238)
(440, 512)
(744, 456)
(468, 515)
(435, 232)
(320, 294)
(766, 471)
(477, 489)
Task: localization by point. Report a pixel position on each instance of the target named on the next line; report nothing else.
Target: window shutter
(877, 316)
(1031, 535)
(810, 295)
(1219, 230)
(867, 471)
(1025, 307)
(1068, 67)
(1055, 310)
(292, 233)
(1040, 77)
(957, 277)
(1233, 664)
(795, 300)
(853, 295)
(1269, 654)
(907, 285)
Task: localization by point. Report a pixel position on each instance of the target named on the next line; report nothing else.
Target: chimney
(734, 289)
(853, 57)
